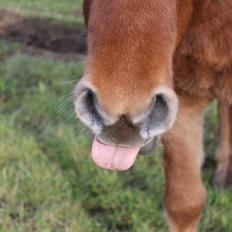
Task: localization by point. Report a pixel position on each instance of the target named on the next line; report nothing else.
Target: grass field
(48, 182)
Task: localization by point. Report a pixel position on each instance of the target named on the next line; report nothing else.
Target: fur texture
(137, 46)
(203, 63)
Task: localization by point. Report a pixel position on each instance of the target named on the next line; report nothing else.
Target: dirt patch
(42, 33)
(64, 56)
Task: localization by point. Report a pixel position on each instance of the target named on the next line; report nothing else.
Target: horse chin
(150, 147)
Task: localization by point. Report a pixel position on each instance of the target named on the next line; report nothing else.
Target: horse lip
(150, 146)
(116, 145)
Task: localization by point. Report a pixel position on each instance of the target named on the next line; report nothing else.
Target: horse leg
(223, 175)
(185, 193)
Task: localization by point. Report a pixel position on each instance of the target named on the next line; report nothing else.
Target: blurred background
(47, 179)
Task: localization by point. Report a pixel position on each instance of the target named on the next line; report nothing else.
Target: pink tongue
(112, 157)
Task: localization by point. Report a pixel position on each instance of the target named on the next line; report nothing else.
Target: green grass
(47, 179)
(63, 11)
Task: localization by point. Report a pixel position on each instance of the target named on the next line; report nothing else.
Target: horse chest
(199, 78)
(203, 61)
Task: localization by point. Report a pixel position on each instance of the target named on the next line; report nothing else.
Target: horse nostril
(158, 112)
(86, 108)
(161, 115)
(160, 100)
(91, 105)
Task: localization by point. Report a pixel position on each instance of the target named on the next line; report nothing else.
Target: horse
(152, 68)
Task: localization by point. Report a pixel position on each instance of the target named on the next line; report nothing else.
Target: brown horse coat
(134, 48)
